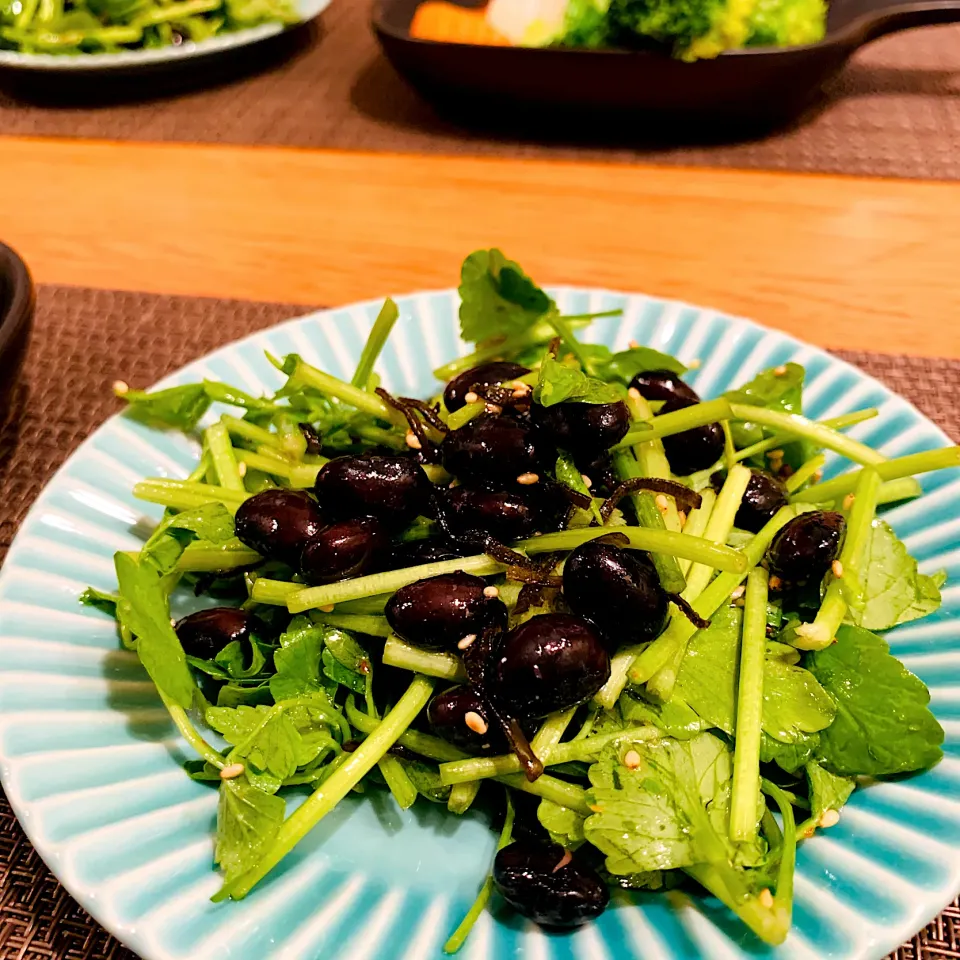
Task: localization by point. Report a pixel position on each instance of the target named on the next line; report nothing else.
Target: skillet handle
(899, 15)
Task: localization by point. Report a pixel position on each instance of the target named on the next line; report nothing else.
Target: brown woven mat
(895, 111)
(65, 394)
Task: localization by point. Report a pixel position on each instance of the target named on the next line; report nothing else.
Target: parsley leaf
(559, 382)
(497, 297)
(143, 608)
(626, 364)
(100, 600)
(248, 821)
(827, 790)
(896, 592)
(298, 660)
(883, 723)
(178, 407)
(564, 825)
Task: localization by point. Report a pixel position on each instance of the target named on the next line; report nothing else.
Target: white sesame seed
(327, 608)
(466, 641)
(242, 469)
(120, 387)
(631, 759)
(774, 582)
(564, 860)
(412, 442)
(452, 484)
(738, 593)
(739, 602)
(587, 482)
(781, 370)
(848, 500)
(173, 622)
(829, 818)
(518, 393)
(494, 408)
(596, 808)
(633, 345)
(527, 479)
(231, 771)
(837, 568)
(662, 503)
(775, 454)
(682, 517)
(521, 389)
(470, 397)
(475, 722)
(766, 898)
(695, 363)
(818, 476)
(634, 394)
(491, 593)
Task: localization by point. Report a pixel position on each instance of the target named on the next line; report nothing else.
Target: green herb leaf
(675, 718)
(497, 297)
(883, 723)
(178, 407)
(827, 790)
(896, 592)
(564, 825)
(559, 382)
(789, 757)
(426, 778)
(143, 608)
(100, 600)
(624, 366)
(211, 522)
(794, 703)
(338, 673)
(297, 662)
(247, 823)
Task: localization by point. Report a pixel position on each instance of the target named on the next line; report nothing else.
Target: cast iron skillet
(763, 85)
(16, 317)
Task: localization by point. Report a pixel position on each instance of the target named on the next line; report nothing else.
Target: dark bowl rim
(383, 28)
(19, 313)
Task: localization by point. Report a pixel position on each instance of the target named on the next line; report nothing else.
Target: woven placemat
(895, 111)
(65, 394)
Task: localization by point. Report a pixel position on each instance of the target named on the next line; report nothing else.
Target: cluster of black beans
(551, 662)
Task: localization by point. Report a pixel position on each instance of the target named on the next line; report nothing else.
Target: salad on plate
(636, 626)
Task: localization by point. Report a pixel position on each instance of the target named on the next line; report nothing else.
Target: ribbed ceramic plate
(91, 764)
(131, 59)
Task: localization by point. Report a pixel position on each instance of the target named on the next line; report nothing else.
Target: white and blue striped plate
(92, 766)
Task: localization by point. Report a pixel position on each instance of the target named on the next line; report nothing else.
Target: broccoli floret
(787, 23)
(586, 24)
(695, 29)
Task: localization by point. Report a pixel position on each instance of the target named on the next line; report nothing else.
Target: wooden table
(842, 262)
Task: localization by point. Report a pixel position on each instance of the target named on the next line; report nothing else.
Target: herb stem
(779, 438)
(301, 475)
(566, 335)
(306, 375)
(444, 666)
(897, 469)
(462, 796)
(383, 325)
(459, 936)
(792, 424)
(371, 625)
(697, 520)
(273, 592)
(357, 765)
(189, 733)
(668, 424)
(820, 633)
(223, 457)
(250, 431)
(783, 899)
(460, 418)
(746, 758)
(804, 472)
(202, 558)
(186, 494)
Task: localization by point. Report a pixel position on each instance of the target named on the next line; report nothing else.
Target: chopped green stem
(804, 472)
(357, 765)
(189, 733)
(308, 598)
(200, 558)
(292, 441)
(446, 666)
(648, 513)
(894, 491)
(273, 592)
(897, 469)
(552, 789)
(223, 457)
(331, 386)
(668, 424)
(399, 784)
(462, 796)
(459, 936)
(846, 587)
(780, 438)
(783, 898)
(425, 744)
(620, 665)
(373, 626)
(381, 437)
(662, 684)
(250, 431)
(697, 520)
(794, 425)
(746, 758)
(549, 734)
(460, 418)
(679, 632)
(186, 494)
(388, 316)
(566, 335)
(300, 475)
(478, 768)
